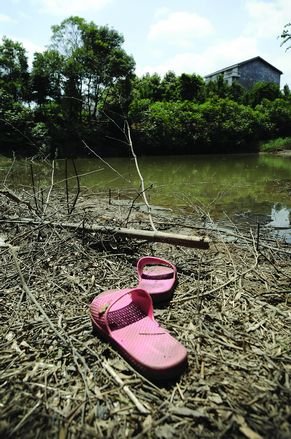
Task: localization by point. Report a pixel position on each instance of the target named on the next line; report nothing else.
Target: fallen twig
(141, 408)
(156, 236)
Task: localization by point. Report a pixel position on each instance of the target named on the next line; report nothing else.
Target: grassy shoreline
(277, 145)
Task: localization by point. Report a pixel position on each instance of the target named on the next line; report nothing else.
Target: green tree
(237, 92)
(217, 88)
(169, 127)
(148, 87)
(94, 62)
(14, 75)
(217, 125)
(16, 118)
(191, 88)
(262, 90)
(229, 126)
(277, 117)
(16, 121)
(170, 87)
(286, 91)
(46, 76)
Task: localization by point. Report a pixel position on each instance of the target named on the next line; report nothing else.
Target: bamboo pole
(148, 235)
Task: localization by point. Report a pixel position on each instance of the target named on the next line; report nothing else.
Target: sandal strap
(140, 307)
(152, 260)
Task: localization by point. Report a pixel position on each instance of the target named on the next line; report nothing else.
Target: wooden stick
(148, 235)
(50, 189)
(12, 196)
(143, 190)
(141, 408)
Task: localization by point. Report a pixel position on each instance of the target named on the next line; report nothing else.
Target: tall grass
(279, 144)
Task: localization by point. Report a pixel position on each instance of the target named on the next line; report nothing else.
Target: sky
(183, 36)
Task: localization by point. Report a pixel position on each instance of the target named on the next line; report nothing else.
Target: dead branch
(148, 235)
(50, 188)
(141, 408)
(12, 196)
(143, 190)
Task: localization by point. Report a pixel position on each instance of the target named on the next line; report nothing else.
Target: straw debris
(231, 309)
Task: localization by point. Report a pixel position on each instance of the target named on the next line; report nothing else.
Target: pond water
(241, 187)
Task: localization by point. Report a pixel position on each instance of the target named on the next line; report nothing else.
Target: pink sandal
(125, 319)
(157, 276)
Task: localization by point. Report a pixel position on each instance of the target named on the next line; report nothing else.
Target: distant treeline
(84, 87)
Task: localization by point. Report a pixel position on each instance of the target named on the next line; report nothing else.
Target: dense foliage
(83, 87)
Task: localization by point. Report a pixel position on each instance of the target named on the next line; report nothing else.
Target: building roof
(244, 62)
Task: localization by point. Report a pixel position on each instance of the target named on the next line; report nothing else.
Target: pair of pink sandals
(125, 319)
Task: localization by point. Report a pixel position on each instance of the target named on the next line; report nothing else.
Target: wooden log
(148, 235)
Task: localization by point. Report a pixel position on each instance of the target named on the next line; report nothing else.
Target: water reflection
(281, 217)
(244, 188)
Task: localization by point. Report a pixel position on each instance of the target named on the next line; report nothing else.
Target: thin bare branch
(143, 189)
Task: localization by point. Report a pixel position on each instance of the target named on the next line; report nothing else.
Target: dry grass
(231, 309)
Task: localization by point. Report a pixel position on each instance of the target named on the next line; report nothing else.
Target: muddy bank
(230, 309)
